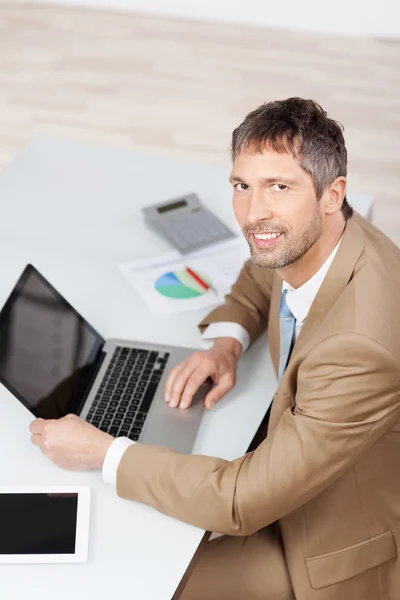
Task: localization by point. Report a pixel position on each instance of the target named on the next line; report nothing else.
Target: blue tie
(287, 324)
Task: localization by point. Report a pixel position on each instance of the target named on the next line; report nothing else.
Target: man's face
(276, 206)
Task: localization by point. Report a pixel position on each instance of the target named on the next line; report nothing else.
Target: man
(313, 513)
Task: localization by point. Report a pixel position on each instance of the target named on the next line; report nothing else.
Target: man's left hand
(71, 443)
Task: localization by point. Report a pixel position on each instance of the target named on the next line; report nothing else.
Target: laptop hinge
(92, 377)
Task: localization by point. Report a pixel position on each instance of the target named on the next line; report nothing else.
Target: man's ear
(334, 195)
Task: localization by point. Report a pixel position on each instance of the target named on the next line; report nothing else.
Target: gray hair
(302, 128)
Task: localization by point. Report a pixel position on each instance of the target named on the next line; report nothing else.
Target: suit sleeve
(248, 302)
(346, 400)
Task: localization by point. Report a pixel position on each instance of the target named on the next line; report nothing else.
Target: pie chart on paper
(180, 285)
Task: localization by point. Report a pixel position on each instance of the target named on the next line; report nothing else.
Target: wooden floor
(179, 88)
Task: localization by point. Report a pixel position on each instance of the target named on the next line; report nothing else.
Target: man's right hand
(219, 363)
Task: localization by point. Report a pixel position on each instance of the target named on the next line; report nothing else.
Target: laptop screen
(48, 352)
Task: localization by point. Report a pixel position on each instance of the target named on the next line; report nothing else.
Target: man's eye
(279, 187)
(241, 187)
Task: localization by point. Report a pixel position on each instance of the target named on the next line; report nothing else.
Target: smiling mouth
(265, 240)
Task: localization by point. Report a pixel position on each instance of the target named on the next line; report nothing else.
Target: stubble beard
(292, 250)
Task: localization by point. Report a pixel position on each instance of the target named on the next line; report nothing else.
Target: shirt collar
(299, 300)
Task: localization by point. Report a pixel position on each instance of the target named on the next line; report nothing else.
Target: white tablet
(44, 524)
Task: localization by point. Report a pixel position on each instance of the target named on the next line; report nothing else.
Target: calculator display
(167, 207)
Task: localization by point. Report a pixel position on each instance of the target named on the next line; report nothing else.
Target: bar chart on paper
(179, 284)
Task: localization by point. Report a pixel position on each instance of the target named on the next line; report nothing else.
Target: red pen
(201, 281)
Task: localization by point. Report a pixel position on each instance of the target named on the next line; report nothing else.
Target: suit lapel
(335, 281)
(333, 285)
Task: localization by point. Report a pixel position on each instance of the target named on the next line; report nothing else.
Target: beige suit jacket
(329, 468)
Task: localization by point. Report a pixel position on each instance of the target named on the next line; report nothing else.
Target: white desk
(73, 210)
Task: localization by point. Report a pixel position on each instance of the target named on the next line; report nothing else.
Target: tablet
(44, 524)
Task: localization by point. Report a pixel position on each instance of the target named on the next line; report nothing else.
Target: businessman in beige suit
(313, 512)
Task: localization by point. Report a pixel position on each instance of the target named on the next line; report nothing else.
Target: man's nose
(259, 210)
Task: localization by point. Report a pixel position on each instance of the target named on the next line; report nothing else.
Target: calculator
(186, 223)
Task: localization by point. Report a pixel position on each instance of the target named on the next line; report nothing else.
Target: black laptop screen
(48, 352)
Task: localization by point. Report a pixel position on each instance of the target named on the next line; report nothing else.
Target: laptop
(55, 363)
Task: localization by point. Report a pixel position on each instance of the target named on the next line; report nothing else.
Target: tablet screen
(38, 523)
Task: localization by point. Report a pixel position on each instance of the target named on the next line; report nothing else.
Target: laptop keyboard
(126, 392)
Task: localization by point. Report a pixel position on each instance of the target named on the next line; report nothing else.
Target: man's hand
(71, 443)
(219, 363)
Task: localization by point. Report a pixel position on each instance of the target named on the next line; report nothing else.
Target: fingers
(36, 440)
(170, 381)
(224, 386)
(194, 382)
(174, 381)
(71, 443)
(186, 378)
(41, 428)
(38, 427)
(185, 370)
(41, 442)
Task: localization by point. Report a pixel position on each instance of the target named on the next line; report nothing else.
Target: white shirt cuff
(226, 329)
(113, 458)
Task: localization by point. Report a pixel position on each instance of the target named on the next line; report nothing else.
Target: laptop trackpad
(173, 427)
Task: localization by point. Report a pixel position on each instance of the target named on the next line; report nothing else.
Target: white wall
(354, 17)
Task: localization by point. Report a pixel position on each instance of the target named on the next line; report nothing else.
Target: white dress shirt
(299, 301)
